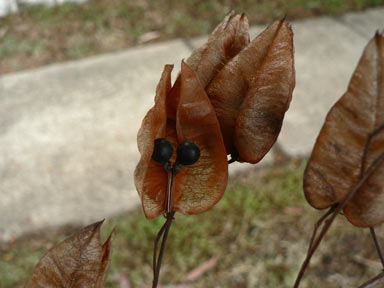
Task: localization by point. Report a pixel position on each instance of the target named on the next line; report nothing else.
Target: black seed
(187, 153)
(162, 151)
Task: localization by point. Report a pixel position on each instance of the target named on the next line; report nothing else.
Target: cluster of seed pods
(229, 98)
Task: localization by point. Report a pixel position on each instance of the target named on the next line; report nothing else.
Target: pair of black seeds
(187, 152)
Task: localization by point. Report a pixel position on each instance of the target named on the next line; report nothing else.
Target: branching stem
(158, 256)
(315, 242)
(318, 225)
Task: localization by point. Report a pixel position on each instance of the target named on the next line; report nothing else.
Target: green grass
(39, 35)
(258, 233)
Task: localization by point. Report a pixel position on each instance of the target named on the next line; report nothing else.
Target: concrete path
(68, 131)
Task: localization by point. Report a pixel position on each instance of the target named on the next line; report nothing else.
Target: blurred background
(77, 77)
(36, 35)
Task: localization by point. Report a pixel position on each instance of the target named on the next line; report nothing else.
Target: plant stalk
(328, 223)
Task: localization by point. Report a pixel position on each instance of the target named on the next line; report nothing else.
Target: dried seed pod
(224, 43)
(196, 187)
(249, 87)
(349, 142)
(253, 91)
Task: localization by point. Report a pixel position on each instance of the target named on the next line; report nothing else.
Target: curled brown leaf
(252, 92)
(351, 139)
(225, 42)
(79, 261)
(197, 187)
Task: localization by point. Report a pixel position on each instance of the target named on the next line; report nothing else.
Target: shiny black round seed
(187, 153)
(162, 151)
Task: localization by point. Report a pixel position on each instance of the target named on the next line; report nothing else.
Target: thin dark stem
(318, 224)
(171, 180)
(378, 279)
(163, 242)
(156, 247)
(158, 257)
(329, 222)
(373, 233)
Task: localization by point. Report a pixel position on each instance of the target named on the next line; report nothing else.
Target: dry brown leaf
(225, 42)
(349, 142)
(197, 187)
(150, 177)
(79, 261)
(252, 92)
